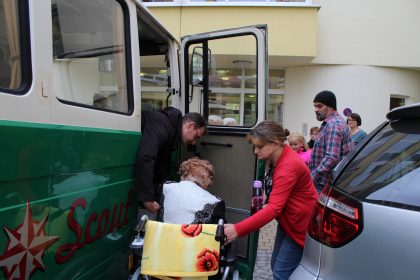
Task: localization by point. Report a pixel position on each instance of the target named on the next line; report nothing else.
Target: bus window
(10, 49)
(232, 97)
(90, 54)
(154, 83)
(155, 68)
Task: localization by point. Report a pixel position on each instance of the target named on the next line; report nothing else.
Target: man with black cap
(334, 139)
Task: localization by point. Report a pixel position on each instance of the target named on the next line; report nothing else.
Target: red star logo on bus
(26, 246)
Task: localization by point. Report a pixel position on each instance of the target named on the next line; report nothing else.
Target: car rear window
(386, 170)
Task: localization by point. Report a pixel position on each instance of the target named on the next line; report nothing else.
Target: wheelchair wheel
(235, 275)
(137, 276)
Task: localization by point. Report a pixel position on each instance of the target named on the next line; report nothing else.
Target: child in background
(313, 134)
(298, 144)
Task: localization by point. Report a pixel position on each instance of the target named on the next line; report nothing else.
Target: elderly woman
(189, 202)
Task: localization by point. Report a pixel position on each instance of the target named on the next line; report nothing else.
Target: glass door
(225, 79)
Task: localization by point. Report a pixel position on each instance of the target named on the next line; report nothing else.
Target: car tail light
(336, 219)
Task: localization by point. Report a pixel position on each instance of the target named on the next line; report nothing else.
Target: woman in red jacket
(291, 201)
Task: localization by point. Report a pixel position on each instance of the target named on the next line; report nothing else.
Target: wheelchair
(226, 258)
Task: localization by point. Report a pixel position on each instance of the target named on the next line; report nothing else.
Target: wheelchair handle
(220, 231)
(142, 223)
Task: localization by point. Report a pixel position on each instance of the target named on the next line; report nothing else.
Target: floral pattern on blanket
(207, 260)
(192, 230)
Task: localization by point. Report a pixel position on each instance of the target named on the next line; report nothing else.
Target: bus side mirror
(196, 69)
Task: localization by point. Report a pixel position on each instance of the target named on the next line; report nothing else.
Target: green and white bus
(74, 78)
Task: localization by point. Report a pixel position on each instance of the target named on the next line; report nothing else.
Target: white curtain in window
(120, 57)
(12, 28)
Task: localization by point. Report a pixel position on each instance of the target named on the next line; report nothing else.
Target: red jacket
(291, 201)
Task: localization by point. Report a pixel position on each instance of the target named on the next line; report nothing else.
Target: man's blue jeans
(286, 255)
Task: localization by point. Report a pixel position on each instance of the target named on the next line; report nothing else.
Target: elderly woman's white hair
(198, 171)
(215, 120)
(229, 121)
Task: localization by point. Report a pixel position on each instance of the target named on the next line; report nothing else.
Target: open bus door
(225, 79)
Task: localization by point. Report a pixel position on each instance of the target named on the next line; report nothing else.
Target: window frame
(128, 69)
(25, 51)
(256, 31)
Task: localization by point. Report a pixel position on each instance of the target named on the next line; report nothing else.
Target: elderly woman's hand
(152, 206)
(230, 232)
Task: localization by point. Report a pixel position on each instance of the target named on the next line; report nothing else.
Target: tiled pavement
(262, 269)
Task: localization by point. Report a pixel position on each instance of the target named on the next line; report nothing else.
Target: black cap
(327, 98)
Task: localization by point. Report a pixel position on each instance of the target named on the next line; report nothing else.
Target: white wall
(369, 32)
(364, 89)
(358, 43)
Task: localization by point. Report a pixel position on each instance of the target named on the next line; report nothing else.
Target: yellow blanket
(180, 251)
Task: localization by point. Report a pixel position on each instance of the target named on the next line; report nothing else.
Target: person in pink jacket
(298, 144)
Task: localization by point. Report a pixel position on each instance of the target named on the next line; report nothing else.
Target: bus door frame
(230, 136)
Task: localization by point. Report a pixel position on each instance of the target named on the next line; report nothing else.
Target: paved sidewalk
(262, 269)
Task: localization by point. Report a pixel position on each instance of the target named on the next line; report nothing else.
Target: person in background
(334, 140)
(313, 134)
(291, 201)
(298, 144)
(189, 202)
(162, 133)
(229, 121)
(215, 120)
(357, 134)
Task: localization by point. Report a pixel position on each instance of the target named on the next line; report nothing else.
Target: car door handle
(216, 144)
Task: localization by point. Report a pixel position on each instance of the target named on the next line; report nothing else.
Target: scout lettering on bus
(106, 223)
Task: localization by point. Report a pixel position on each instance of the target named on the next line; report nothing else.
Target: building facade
(367, 52)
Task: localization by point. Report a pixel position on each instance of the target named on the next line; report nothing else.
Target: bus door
(225, 81)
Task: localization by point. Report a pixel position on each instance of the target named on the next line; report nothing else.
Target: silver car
(367, 224)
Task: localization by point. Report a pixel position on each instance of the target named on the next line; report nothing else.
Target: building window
(231, 1)
(275, 95)
(154, 85)
(396, 101)
(275, 107)
(228, 96)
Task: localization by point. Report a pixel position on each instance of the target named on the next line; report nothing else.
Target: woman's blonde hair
(268, 131)
(299, 137)
(197, 170)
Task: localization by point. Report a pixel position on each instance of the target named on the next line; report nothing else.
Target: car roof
(405, 112)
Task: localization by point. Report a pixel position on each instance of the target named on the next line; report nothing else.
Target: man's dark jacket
(161, 132)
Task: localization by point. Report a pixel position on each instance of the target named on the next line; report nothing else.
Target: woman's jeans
(286, 255)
